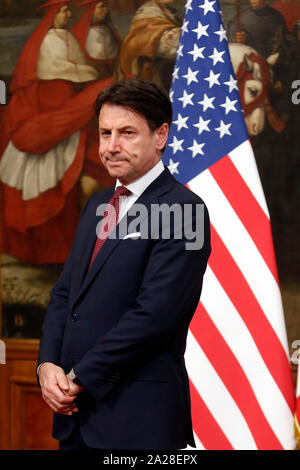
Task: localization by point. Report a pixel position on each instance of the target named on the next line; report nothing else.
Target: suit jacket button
(74, 317)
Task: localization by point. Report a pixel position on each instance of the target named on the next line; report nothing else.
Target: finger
(55, 396)
(67, 410)
(60, 396)
(75, 389)
(62, 409)
(62, 381)
(53, 403)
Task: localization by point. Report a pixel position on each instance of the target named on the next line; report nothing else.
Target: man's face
(257, 4)
(128, 148)
(100, 13)
(62, 17)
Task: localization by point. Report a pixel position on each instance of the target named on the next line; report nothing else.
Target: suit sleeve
(172, 278)
(54, 324)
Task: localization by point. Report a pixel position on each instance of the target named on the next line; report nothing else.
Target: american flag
(237, 352)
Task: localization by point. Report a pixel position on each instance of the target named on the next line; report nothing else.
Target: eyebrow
(123, 128)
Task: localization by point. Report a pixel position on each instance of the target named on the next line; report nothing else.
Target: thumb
(63, 382)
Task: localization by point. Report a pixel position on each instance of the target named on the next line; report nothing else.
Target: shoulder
(55, 38)
(182, 194)
(275, 14)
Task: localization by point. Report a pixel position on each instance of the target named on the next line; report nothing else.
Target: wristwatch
(72, 376)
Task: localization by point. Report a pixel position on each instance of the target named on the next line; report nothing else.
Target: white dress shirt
(138, 187)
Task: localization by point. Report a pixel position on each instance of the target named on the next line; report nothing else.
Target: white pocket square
(132, 235)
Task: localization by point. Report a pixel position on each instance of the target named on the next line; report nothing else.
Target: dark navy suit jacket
(122, 326)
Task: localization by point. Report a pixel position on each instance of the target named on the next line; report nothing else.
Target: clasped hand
(58, 391)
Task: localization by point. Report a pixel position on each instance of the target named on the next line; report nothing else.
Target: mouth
(115, 161)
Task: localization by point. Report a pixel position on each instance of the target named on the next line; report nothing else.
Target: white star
(191, 76)
(229, 105)
(201, 30)
(175, 73)
(223, 129)
(184, 27)
(207, 102)
(213, 79)
(207, 6)
(221, 33)
(179, 50)
(196, 148)
(176, 145)
(186, 99)
(173, 166)
(188, 5)
(202, 125)
(181, 122)
(232, 84)
(171, 94)
(197, 52)
(217, 56)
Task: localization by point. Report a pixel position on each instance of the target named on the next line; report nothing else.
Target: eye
(128, 132)
(253, 91)
(104, 134)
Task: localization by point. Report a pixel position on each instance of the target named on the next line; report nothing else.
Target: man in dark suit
(111, 360)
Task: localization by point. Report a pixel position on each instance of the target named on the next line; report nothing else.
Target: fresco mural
(55, 57)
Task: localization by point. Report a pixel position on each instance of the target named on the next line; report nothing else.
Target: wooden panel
(26, 420)
(38, 424)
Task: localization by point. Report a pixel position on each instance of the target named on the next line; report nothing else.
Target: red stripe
(234, 379)
(298, 407)
(247, 208)
(205, 425)
(233, 282)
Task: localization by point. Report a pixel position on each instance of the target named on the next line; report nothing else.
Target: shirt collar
(138, 186)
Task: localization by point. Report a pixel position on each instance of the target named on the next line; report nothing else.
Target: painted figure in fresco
(254, 77)
(101, 42)
(148, 51)
(43, 145)
(262, 28)
(98, 36)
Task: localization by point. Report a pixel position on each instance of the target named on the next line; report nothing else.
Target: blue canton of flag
(207, 115)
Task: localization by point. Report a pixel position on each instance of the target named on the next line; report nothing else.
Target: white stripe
(216, 397)
(243, 159)
(243, 250)
(234, 331)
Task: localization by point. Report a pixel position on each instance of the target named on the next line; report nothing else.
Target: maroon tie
(111, 219)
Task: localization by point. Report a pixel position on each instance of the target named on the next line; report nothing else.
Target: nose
(114, 143)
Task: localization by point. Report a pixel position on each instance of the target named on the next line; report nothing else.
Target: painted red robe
(40, 114)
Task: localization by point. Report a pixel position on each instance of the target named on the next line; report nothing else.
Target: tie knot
(121, 191)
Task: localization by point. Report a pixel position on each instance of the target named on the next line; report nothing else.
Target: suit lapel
(87, 240)
(160, 185)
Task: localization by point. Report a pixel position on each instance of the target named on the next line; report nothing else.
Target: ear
(162, 136)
